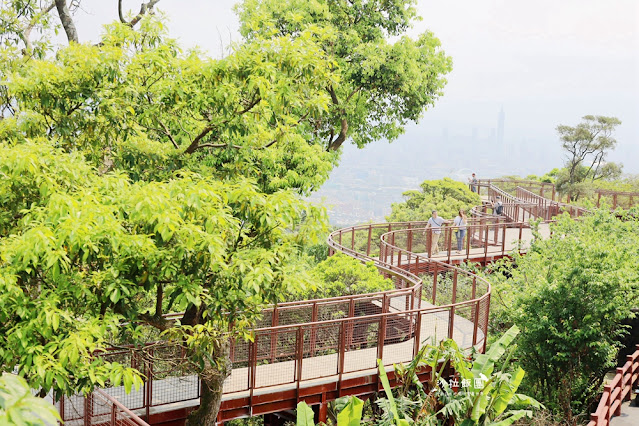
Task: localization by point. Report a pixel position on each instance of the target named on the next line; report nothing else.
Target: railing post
(475, 318)
(435, 284)
(252, 368)
(621, 386)
(451, 322)
(381, 338)
(368, 245)
(409, 239)
(313, 328)
(350, 329)
(342, 351)
(299, 344)
(113, 414)
(503, 247)
(418, 330)
(353, 238)
(88, 410)
(274, 323)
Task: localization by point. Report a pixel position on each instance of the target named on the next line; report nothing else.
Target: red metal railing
(547, 209)
(543, 189)
(298, 344)
(623, 199)
(98, 408)
(617, 391)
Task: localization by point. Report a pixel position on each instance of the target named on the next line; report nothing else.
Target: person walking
(435, 223)
(460, 222)
(498, 206)
(473, 184)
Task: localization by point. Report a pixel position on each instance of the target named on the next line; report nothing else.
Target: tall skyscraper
(500, 128)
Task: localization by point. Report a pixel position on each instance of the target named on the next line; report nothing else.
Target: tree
(141, 180)
(571, 292)
(341, 275)
(586, 146)
(19, 407)
(109, 218)
(445, 195)
(378, 86)
(107, 250)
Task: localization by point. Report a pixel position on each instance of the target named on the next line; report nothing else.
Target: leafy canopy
(571, 293)
(445, 195)
(378, 85)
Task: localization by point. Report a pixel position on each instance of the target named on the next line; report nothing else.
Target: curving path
(319, 350)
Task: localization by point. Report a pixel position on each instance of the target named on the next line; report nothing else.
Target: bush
(574, 290)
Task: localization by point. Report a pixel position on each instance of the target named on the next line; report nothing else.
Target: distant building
(500, 128)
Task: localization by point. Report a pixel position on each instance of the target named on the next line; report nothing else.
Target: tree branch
(341, 137)
(168, 134)
(66, 20)
(144, 8)
(26, 34)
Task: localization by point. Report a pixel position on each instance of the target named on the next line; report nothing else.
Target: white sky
(547, 62)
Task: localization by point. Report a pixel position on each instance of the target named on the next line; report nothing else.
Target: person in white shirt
(460, 222)
(435, 222)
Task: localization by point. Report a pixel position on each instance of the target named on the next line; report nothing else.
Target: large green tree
(379, 85)
(569, 295)
(586, 146)
(445, 195)
(140, 180)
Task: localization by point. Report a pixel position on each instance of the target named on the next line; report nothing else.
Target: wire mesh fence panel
(321, 351)
(276, 354)
(266, 320)
(399, 339)
(239, 378)
(135, 358)
(298, 314)
(368, 306)
(73, 408)
(463, 327)
(362, 338)
(434, 326)
(332, 310)
(482, 329)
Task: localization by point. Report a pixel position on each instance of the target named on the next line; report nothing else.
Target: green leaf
(351, 415)
(305, 415)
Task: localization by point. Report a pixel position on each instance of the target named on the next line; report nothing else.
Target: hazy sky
(545, 62)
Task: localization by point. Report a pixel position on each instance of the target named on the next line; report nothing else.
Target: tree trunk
(213, 377)
(66, 20)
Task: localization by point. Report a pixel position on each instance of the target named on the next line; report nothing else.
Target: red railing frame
(617, 391)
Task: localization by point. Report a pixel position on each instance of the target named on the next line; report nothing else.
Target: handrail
(325, 338)
(632, 197)
(547, 209)
(617, 391)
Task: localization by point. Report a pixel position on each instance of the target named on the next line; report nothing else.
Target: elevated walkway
(323, 349)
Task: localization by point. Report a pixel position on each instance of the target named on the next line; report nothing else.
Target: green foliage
(397, 419)
(587, 145)
(486, 396)
(137, 102)
(304, 414)
(351, 414)
(445, 195)
(377, 85)
(19, 407)
(93, 251)
(571, 293)
(341, 275)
